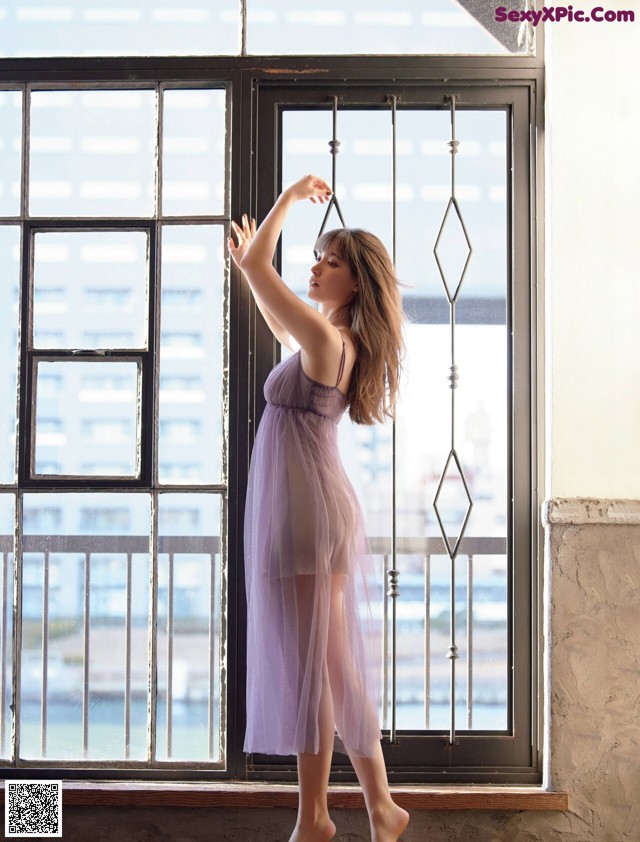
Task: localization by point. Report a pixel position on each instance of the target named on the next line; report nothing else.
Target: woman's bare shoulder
(321, 365)
(346, 332)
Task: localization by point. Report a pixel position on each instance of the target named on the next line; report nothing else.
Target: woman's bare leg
(313, 823)
(386, 819)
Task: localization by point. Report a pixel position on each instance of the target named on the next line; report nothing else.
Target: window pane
(10, 152)
(85, 604)
(193, 152)
(9, 286)
(111, 27)
(7, 529)
(379, 26)
(274, 26)
(92, 153)
(93, 287)
(191, 435)
(423, 431)
(87, 418)
(190, 658)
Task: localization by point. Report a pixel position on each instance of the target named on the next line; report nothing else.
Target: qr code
(32, 808)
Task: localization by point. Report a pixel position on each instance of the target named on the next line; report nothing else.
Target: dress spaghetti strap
(342, 359)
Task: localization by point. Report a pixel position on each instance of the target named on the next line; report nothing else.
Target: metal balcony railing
(169, 618)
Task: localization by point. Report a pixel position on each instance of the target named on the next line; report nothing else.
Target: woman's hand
(310, 187)
(244, 236)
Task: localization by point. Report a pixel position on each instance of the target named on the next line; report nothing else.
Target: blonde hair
(375, 318)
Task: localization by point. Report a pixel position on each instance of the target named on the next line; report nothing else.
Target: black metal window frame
(145, 354)
(259, 89)
(30, 357)
(417, 755)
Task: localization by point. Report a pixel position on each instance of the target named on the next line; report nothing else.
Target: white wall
(593, 255)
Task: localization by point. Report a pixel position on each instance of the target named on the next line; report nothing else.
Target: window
(181, 299)
(109, 520)
(274, 27)
(116, 298)
(43, 518)
(180, 382)
(179, 518)
(129, 407)
(183, 339)
(492, 572)
(100, 223)
(180, 431)
(101, 430)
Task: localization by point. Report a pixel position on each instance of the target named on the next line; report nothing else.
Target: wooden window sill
(243, 795)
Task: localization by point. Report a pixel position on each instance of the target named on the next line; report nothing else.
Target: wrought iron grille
(465, 555)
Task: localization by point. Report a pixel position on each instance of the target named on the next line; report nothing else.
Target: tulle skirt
(312, 593)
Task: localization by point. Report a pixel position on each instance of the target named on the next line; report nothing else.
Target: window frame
(252, 350)
(30, 356)
(419, 756)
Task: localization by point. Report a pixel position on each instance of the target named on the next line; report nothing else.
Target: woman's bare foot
(387, 823)
(322, 831)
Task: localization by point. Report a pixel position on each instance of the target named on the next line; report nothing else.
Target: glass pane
(85, 597)
(490, 636)
(190, 650)
(191, 435)
(9, 286)
(423, 430)
(277, 27)
(111, 27)
(7, 515)
(481, 332)
(92, 287)
(92, 153)
(87, 420)
(10, 152)
(193, 152)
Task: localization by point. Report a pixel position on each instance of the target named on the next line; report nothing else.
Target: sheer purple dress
(310, 578)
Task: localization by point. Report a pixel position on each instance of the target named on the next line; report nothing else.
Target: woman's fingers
(248, 226)
(311, 187)
(244, 233)
(321, 186)
(247, 230)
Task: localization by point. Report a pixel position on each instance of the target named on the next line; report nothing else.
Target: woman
(311, 665)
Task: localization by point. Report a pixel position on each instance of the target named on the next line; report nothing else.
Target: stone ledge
(568, 511)
(261, 795)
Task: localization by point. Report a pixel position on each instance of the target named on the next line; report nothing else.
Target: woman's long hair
(375, 318)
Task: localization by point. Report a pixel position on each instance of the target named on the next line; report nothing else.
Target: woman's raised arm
(244, 235)
(308, 327)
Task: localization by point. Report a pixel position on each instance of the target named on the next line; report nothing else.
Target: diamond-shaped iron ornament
(333, 203)
(453, 551)
(452, 202)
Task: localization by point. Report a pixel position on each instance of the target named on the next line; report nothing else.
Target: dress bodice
(289, 386)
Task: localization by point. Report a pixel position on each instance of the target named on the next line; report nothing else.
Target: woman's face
(332, 282)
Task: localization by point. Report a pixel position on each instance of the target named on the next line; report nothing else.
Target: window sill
(252, 795)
